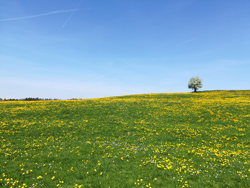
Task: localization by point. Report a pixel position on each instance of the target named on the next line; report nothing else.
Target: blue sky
(94, 48)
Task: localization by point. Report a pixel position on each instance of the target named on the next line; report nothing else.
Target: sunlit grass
(155, 140)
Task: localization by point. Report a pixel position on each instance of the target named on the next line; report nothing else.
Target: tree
(195, 83)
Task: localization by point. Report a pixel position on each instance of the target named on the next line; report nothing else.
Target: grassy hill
(155, 140)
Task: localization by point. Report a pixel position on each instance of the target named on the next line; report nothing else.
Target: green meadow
(154, 140)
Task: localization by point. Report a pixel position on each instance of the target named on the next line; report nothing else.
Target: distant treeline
(29, 99)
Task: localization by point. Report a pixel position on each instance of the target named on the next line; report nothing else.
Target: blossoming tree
(195, 83)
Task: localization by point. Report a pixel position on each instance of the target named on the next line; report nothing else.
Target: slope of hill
(155, 140)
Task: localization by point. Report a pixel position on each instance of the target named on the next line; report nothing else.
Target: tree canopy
(195, 83)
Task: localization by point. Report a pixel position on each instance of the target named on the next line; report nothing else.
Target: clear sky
(98, 48)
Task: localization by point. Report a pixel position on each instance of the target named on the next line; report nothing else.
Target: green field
(155, 140)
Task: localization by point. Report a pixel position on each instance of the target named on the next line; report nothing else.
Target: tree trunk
(195, 89)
